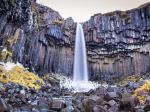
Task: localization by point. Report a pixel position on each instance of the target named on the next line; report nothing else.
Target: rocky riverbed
(117, 42)
(55, 96)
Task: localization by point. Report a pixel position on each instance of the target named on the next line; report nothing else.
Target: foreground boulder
(112, 96)
(128, 103)
(4, 107)
(98, 108)
(57, 105)
(88, 105)
(100, 91)
(147, 108)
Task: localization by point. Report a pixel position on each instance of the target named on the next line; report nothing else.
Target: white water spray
(80, 72)
(80, 59)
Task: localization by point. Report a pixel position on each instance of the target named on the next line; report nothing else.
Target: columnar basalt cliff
(117, 43)
(38, 36)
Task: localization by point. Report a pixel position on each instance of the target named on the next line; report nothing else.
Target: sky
(82, 10)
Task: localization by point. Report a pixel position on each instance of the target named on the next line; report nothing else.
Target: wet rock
(112, 102)
(134, 85)
(43, 102)
(58, 105)
(22, 92)
(114, 108)
(111, 89)
(4, 107)
(99, 101)
(64, 110)
(77, 99)
(98, 108)
(112, 96)
(128, 103)
(148, 100)
(35, 110)
(139, 109)
(45, 110)
(79, 96)
(100, 91)
(88, 104)
(25, 109)
(147, 108)
(79, 107)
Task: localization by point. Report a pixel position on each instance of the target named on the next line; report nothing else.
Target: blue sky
(81, 10)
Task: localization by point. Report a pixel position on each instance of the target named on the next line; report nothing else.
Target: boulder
(112, 96)
(112, 102)
(128, 103)
(98, 108)
(57, 105)
(4, 107)
(88, 104)
(148, 99)
(114, 108)
(100, 91)
(99, 101)
(43, 102)
(147, 108)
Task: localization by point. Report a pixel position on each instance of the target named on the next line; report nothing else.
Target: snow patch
(9, 65)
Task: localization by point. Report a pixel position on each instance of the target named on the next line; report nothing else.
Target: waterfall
(80, 82)
(80, 72)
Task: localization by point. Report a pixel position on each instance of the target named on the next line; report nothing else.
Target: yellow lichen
(142, 92)
(132, 78)
(20, 76)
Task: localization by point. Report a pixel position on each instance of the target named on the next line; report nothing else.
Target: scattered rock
(98, 108)
(100, 91)
(57, 105)
(88, 104)
(112, 102)
(147, 108)
(114, 108)
(112, 96)
(99, 101)
(4, 107)
(128, 103)
(43, 102)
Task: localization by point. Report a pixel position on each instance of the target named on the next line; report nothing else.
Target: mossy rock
(5, 55)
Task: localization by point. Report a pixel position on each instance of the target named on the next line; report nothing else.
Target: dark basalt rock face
(117, 42)
(38, 36)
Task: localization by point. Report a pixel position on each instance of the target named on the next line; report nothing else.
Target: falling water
(80, 81)
(80, 73)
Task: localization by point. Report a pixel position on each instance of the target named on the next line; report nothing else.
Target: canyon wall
(117, 42)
